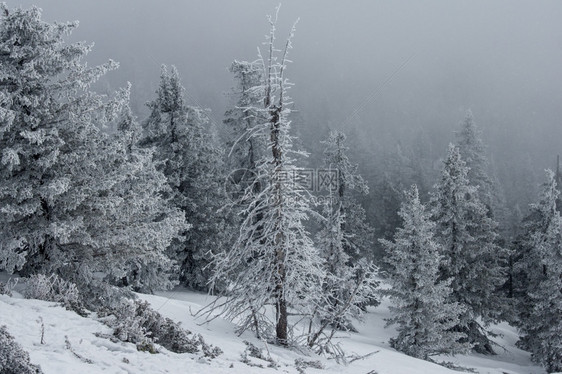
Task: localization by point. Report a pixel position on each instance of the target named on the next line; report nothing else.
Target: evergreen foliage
(344, 239)
(148, 220)
(490, 193)
(65, 204)
(43, 115)
(273, 245)
(423, 308)
(471, 257)
(136, 322)
(472, 150)
(359, 235)
(244, 149)
(191, 162)
(13, 359)
(540, 269)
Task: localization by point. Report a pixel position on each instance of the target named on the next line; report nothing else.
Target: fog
(383, 71)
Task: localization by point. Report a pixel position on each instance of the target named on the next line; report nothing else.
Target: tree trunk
(281, 304)
(281, 327)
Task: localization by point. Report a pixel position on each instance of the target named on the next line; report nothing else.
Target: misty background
(392, 75)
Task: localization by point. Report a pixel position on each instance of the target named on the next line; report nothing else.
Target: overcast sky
(385, 67)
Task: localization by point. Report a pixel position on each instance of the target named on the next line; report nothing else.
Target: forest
(297, 225)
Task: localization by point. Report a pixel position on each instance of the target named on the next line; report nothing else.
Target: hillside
(91, 354)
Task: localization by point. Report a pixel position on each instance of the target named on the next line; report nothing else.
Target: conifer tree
(61, 177)
(540, 266)
(473, 153)
(528, 266)
(343, 239)
(41, 111)
(245, 150)
(395, 175)
(471, 257)
(147, 221)
(128, 224)
(273, 262)
(191, 162)
(423, 308)
(359, 235)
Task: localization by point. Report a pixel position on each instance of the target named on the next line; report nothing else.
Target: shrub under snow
(13, 359)
(136, 322)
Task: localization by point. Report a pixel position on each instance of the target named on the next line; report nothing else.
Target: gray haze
(384, 71)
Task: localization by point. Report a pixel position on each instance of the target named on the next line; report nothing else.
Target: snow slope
(24, 318)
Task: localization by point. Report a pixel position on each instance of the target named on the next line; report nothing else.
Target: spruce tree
(191, 162)
(273, 262)
(245, 150)
(471, 257)
(147, 221)
(41, 111)
(423, 308)
(61, 179)
(473, 152)
(122, 225)
(540, 266)
(358, 233)
(394, 176)
(344, 239)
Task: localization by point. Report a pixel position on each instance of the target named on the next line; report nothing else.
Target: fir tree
(40, 110)
(395, 175)
(423, 308)
(273, 261)
(191, 162)
(540, 265)
(63, 205)
(122, 225)
(343, 239)
(528, 260)
(472, 150)
(245, 150)
(147, 221)
(471, 257)
(359, 235)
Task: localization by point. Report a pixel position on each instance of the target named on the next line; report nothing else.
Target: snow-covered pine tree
(273, 262)
(473, 153)
(423, 307)
(394, 176)
(122, 224)
(62, 208)
(241, 119)
(41, 95)
(540, 267)
(358, 233)
(528, 260)
(244, 149)
(144, 221)
(192, 165)
(471, 257)
(344, 239)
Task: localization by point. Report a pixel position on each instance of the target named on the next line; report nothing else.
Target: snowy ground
(23, 319)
